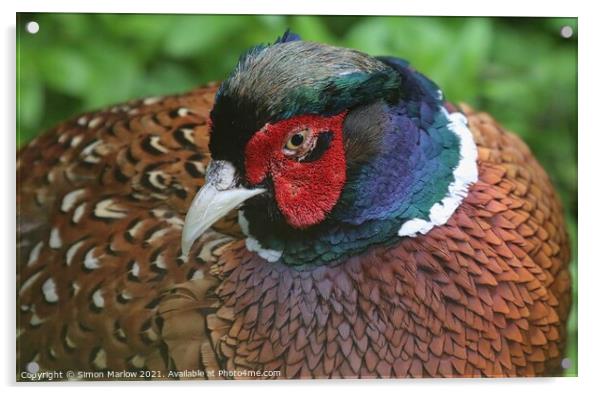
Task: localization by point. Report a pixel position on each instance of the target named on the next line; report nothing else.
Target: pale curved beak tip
(212, 202)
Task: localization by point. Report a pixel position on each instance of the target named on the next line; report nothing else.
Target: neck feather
(419, 179)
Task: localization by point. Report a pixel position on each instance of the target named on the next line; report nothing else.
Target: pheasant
(320, 214)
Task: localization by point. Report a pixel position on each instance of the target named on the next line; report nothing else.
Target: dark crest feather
(287, 37)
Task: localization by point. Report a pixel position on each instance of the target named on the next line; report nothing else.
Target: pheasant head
(329, 150)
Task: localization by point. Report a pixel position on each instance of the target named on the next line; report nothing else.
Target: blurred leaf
(311, 29)
(122, 69)
(168, 78)
(459, 69)
(64, 69)
(31, 103)
(193, 34)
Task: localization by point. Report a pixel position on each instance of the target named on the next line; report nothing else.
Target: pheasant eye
(297, 140)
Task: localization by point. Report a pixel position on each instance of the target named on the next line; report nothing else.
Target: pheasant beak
(220, 194)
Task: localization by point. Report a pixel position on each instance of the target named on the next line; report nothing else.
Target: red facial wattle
(305, 191)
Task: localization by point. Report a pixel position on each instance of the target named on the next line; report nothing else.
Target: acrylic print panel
(279, 197)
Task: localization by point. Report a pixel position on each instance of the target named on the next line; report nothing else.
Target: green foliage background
(519, 69)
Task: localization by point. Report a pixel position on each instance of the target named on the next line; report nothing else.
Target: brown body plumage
(102, 283)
